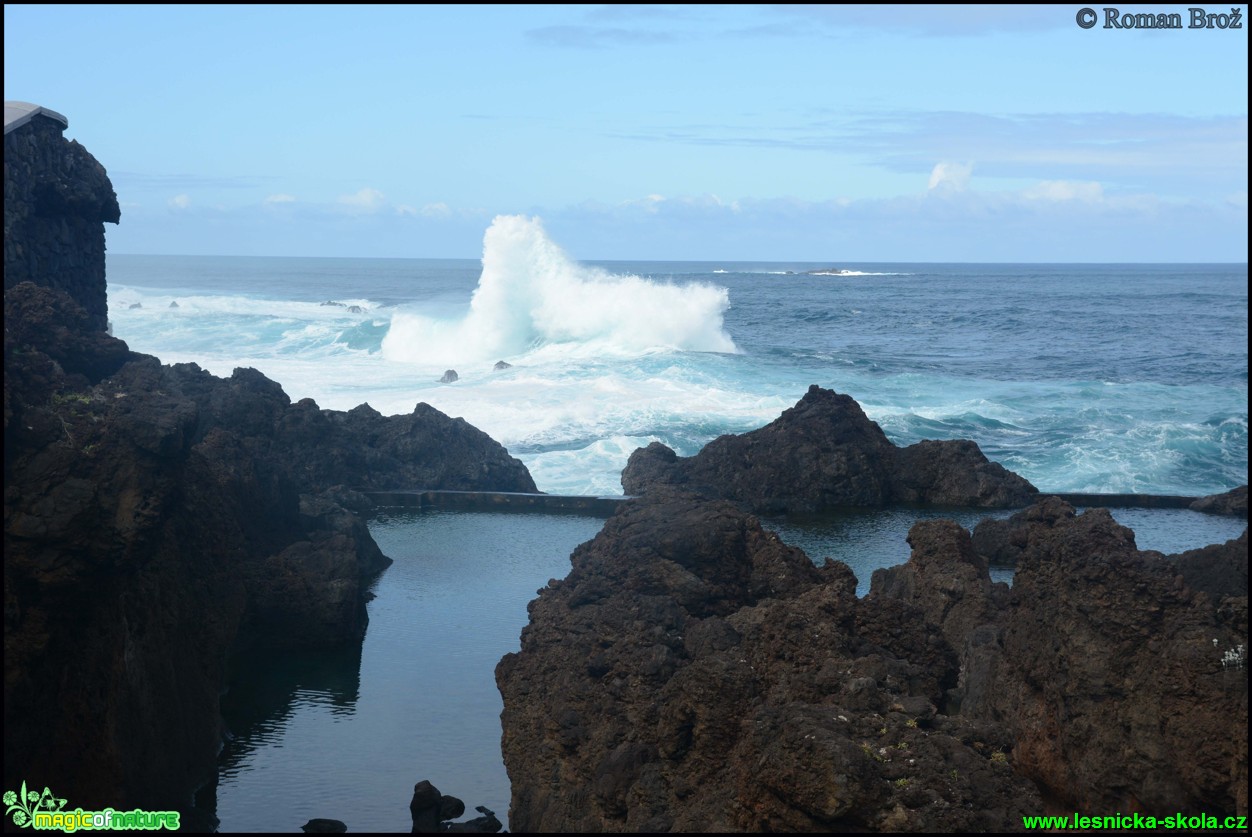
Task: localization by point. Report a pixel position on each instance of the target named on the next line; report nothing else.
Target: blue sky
(785, 132)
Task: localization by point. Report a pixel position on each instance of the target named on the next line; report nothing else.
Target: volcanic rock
(825, 452)
(433, 811)
(1233, 503)
(157, 517)
(693, 672)
(1108, 650)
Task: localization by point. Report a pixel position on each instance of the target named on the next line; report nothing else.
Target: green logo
(46, 812)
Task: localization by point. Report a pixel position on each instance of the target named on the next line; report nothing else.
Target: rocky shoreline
(157, 518)
(695, 673)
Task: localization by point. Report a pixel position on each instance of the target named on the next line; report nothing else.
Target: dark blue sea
(1080, 377)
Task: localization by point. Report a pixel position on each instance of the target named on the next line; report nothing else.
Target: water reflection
(346, 734)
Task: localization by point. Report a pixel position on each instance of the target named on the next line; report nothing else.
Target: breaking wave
(533, 298)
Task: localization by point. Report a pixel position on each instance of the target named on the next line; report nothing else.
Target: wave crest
(532, 297)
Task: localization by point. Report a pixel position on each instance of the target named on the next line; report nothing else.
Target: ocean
(1080, 377)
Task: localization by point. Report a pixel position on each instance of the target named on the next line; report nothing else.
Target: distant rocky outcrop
(825, 452)
(693, 672)
(1233, 503)
(449, 376)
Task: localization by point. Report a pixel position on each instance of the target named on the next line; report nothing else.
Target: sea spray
(533, 298)
(1120, 378)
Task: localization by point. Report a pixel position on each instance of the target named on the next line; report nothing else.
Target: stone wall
(56, 196)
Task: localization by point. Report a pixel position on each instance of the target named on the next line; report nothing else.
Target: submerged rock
(500, 365)
(324, 826)
(433, 812)
(825, 452)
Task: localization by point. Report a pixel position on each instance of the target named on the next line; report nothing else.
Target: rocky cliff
(695, 673)
(825, 452)
(157, 517)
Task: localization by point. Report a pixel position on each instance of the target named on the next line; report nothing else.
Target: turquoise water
(1083, 378)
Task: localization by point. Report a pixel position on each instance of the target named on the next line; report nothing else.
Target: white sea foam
(595, 371)
(531, 297)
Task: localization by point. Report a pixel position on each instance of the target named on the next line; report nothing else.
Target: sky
(837, 134)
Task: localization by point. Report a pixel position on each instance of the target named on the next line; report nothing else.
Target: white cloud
(364, 200)
(436, 210)
(180, 201)
(279, 198)
(950, 175)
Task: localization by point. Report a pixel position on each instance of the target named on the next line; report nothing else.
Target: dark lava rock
(324, 826)
(1233, 503)
(157, 517)
(825, 452)
(502, 365)
(695, 673)
(366, 450)
(1219, 570)
(433, 811)
(449, 376)
(1109, 650)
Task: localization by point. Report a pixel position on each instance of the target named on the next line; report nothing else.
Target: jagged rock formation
(157, 517)
(694, 673)
(1104, 649)
(1233, 503)
(825, 452)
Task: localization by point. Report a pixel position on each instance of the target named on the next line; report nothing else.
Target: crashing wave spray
(532, 297)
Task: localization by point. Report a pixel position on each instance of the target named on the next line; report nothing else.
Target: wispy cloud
(950, 175)
(279, 198)
(1047, 221)
(180, 202)
(1143, 150)
(436, 210)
